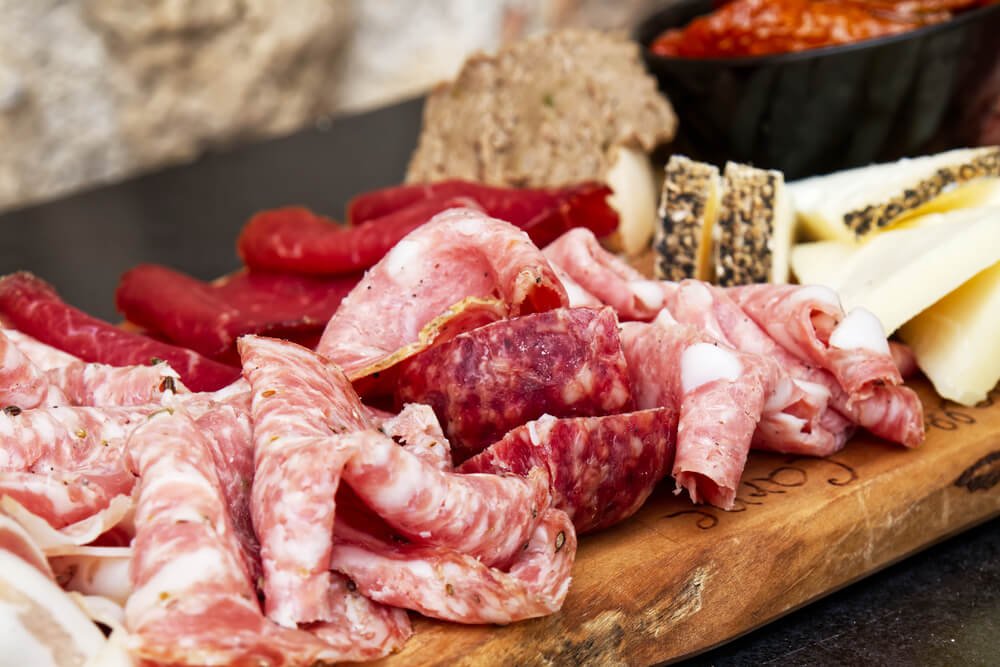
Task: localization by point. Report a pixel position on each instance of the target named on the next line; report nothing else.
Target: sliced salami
(193, 602)
(302, 409)
(483, 383)
(101, 385)
(45, 357)
(602, 468)
(65, 498)
(459, 271)
(417, 430)
(605, 276)
(485, 516)
(442, 583)
(22, 384)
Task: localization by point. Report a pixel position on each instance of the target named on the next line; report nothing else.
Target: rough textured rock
(96, 90)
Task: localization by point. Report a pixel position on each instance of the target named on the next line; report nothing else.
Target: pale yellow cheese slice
(821, 262)
(853, 204)
(957, 340)
(899, 273)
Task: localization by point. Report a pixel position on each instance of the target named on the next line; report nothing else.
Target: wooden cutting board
(676, 579)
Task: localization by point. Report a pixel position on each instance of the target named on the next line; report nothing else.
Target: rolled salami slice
(302, 410)
(605, 276)
(483, 383)
(442, 583)
(193, 602)
(602, 468)
(455, 273)
(720, 394)
(32, 306)
(417, 430)
(488, 517)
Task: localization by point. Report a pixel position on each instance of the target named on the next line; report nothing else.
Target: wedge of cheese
(957, 340)
(634, 198)
(689, 206)
(821, 262)
(901, 272)
(753, 233)
(856, 203)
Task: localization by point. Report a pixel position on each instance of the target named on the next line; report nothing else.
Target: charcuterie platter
(676, 580)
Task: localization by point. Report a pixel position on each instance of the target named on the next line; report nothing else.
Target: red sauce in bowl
(760, 27)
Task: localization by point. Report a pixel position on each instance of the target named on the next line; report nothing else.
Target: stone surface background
(93, 91)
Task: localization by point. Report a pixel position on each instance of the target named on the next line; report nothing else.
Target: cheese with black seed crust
(753, 233)
(851, 205)
(689, 205)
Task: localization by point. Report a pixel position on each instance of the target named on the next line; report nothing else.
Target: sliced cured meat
(417, 430)
(865, 388)
(809, 322)
(101, 571)
(22, 384)
(485, 516)
(904, 359)
(361, 629)
(16, 541)
(65, 498)
(602, 274)
(792, 418)
(209, 317)
(66, 438)
(458, 271)
(578, 297)
(445, 584)
(32, 306)
(543, 213)
(295, 240)
(602, 468)
(101, 385)
(193, 602)
(45, 357)
(483, 383)
(720, 392)
(302, 410)
(118, 511)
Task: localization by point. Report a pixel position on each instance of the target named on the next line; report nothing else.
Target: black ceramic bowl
(813, 112)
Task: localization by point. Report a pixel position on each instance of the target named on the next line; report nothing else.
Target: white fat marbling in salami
(442, 583)
(602, 468)
(458, 271)
(488, 517)
(417, 430)
(483, 383)
(103, 385)
(22, 384)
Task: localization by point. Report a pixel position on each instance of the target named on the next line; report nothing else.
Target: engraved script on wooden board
(677, 579)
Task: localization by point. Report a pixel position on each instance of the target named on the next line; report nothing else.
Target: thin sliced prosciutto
(457, 272)
(442, 583)
(486, 516)
(483, 383)
(720, 392)
(32, 306)
(605, 276)
(302, 410)
(193, 602)
(602, 468)
(209, 317)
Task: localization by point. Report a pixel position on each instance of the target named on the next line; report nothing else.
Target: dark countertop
(938, 607)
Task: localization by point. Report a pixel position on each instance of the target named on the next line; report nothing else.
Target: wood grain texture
(677, 579)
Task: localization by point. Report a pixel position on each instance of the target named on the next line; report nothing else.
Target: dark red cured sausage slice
(605, 276)
(302, 410)
(459, 271)
(193, 601)
(209, 317)
(543, 213)
(483, 383)
(720, 392)
(105, 386)
(488, 517)
(22, 384)
(441, 583)
(602, 468)
(295, 240)
(30, 305)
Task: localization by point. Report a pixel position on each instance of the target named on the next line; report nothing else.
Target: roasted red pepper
(31, 305)
(209, 317)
